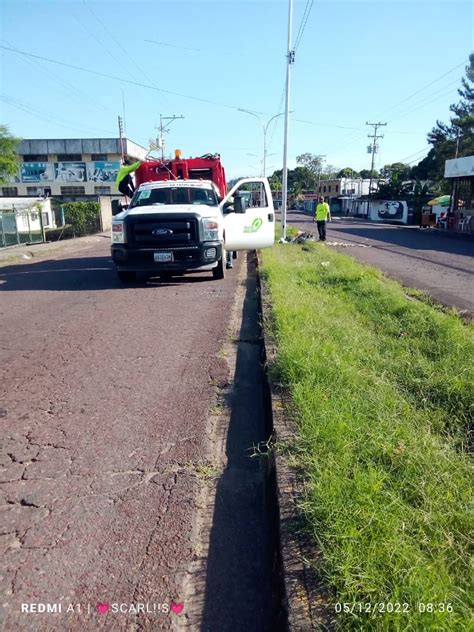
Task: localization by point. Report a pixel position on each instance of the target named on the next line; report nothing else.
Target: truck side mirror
(118, 207)
(228, 207)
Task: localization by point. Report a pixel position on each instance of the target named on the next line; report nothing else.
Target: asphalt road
(104, 407)
(439, 265)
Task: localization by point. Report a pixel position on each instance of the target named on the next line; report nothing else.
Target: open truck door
(249, 218)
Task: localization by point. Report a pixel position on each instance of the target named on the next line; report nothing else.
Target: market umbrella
(443, 200)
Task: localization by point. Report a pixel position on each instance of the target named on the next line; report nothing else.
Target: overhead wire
(304, 21)
(122, 79)
(127, 54)
(424, 88)
(68, 87)
(117, 61)
(416, 153)
(47, 116)
(350, 138)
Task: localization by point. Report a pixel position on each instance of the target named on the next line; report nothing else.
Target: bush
(83, 217)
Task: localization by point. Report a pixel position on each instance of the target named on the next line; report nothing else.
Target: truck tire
(126, 277)
(219, 271)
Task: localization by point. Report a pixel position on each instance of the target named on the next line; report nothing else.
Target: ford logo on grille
(162, 232)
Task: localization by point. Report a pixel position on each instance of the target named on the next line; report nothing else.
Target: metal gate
(20, 227)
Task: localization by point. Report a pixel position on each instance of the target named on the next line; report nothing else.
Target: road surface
(439, 265)
(104, 411)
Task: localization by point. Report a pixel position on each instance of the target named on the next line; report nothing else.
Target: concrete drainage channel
(235, 582)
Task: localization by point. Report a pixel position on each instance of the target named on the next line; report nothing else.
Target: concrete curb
(304, 592)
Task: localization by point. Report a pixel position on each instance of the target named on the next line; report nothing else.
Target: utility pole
(290, 60)
(164, 129)
(374, 145)
(122, 149)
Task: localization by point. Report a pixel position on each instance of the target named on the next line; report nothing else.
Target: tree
(8, 155)
(301, 175)
(397, 170)
(347, 172)
(365, 174)
(314, 164)
(453, 139)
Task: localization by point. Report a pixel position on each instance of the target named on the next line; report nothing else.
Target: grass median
(381, 383)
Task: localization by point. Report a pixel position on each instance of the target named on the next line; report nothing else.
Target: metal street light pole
(265, 130)
(290, 60)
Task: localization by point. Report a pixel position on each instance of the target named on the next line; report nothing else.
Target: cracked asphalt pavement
(105, 397)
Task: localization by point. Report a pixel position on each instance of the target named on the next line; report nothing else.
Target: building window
(35, 158)
(337, 188)
(33, 191)
(69, 157)
(102, 190)
(99, 157)
(73, 191)
(329, 188)
(324, 189)
(10, 191)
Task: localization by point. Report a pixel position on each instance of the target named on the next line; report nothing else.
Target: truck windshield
(177, 195)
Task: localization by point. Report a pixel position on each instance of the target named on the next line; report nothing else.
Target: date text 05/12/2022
(391, 607)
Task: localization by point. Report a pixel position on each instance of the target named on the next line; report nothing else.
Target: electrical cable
(117, 42)
(121, 79)
(304, 21)
(46, 116)
(69, 87)
(421, 89)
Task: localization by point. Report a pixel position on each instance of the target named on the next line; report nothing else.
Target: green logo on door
(254, 226)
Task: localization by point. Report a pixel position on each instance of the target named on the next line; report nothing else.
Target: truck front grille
(163, 231)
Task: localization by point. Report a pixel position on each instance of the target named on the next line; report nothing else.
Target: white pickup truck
(177, 226)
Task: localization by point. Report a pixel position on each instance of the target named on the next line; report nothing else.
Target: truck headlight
(118, 233)
(210, 229)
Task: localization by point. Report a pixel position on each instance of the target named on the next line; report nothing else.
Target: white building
(69, 168)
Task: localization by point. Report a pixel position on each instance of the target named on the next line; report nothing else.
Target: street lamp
(262, 169)
(265, 129)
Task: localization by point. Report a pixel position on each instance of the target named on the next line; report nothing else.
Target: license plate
(162, 257)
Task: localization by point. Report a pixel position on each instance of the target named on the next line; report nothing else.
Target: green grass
(382, 388)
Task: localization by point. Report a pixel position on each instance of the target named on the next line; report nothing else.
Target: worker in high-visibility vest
(322, 215)
(124, 179)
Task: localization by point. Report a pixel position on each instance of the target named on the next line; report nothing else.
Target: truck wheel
(126, 277)
(219, 271)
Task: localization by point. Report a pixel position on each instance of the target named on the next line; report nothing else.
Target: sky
(397, 62)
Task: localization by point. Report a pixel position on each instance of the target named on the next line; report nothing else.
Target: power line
(326, 124)
(423, 88)
(349, 139)
(304, 21)
(117, 42)
(99, 41)
(69, 87)
(414, 154)
(45, 115)
(421, 104)
(121, 79)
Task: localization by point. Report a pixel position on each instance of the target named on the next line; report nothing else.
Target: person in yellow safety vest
(124, 179)
(322, 215)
